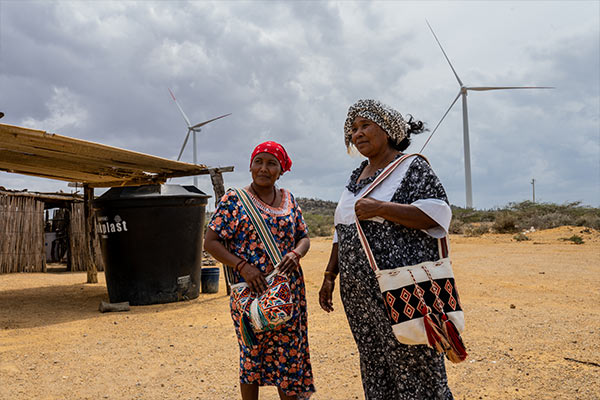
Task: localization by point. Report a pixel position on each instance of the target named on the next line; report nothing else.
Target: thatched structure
(22, 231)
(78, 250)
(21, 234)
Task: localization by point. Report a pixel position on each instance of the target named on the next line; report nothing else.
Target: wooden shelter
(93, 165)
(25, 232)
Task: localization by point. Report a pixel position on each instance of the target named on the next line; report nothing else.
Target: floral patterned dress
(281, 358)
(390, 370)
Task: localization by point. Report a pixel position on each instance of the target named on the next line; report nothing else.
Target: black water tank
(151, 238)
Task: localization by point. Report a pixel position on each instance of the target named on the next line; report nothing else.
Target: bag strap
(387, 171)
(264, 233)
(442, 243)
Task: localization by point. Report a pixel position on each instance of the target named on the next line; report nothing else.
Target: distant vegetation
(513, 218)
(318, 215)
(516, 217)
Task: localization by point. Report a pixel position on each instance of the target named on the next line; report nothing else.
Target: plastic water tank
(151, 238)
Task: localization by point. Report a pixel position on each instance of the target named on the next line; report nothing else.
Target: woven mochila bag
(421, 300)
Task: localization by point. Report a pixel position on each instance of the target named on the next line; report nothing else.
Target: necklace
(270, 203)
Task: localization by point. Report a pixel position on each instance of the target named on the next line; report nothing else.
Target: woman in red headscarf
(281, 356)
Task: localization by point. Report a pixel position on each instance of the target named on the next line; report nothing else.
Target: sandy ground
(533, 331)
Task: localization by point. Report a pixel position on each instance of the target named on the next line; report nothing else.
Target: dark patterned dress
(390, 370)
(281, 357)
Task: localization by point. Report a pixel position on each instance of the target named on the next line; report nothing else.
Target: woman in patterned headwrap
(402, 221)
(281, 357)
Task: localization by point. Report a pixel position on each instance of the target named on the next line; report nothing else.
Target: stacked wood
(78, 248)
(21, 235)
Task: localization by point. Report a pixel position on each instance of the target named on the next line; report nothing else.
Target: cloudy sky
(288, 71)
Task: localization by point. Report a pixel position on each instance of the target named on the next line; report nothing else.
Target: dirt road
(533, 331)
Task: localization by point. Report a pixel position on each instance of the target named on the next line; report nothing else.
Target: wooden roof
(48, 155)
(50, 200)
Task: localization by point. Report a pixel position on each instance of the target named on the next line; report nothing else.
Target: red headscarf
(277, 150)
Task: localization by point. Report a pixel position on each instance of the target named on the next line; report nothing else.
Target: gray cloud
(101, 71)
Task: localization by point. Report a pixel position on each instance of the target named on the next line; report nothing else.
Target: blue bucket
(210, 280)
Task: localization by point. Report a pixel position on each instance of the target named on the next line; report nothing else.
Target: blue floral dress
(281, 358)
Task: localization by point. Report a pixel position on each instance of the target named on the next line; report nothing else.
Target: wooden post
(90, 230)
(216, 178)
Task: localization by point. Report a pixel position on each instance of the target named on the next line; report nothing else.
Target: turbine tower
(192, 128)
(463, 93)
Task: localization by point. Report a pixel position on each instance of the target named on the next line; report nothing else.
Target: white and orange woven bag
(421, 300)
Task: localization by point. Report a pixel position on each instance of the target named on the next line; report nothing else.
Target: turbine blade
(438, 124)
(210, 120)
(184, 143)
(484, 88)
(447, 59)
(187, 120)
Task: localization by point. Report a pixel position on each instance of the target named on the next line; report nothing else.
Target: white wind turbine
(463, 92)
(195, 129)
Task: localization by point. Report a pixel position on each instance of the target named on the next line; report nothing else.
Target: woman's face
(368, 137)
(265, 169)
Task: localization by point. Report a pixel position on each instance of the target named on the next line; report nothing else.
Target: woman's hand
(254, 278)
(368, 208)
(326, 293)
(289, 262)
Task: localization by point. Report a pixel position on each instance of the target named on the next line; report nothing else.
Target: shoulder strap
(388, 170)
(264, 233)
(361, 234)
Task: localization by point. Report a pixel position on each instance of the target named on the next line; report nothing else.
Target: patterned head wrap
(277, 150)
(386, 117)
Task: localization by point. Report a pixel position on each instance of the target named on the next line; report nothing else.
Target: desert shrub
(319, 225)
(575, 239)
(550, 215)
(316, 206)
(555, 219)
(505, 223)
(469, 215)
(520, 237)
(588, 220)
(457, 226)
(476, 230)
(318, 215)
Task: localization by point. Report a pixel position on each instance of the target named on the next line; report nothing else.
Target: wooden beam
(216, 177)
(220, 169)
(49, 155)
(37, 156)
(44, 196)
(10, 159)
(90, 229)
(40, 140)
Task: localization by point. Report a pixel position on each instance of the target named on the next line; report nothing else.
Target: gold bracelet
(329, 273)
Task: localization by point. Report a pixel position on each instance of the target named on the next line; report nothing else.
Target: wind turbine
(195, 129)
(463, 92)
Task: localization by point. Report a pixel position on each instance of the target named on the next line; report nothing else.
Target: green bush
(469, 215)
(575, 239)
(476, 230)
(505, 223)
(549, 215)
(512, 218)
(589, 220)
(319, 225)
(457, 226)
(520, 237)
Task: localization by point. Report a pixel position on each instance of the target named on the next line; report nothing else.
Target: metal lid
(152, 192)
